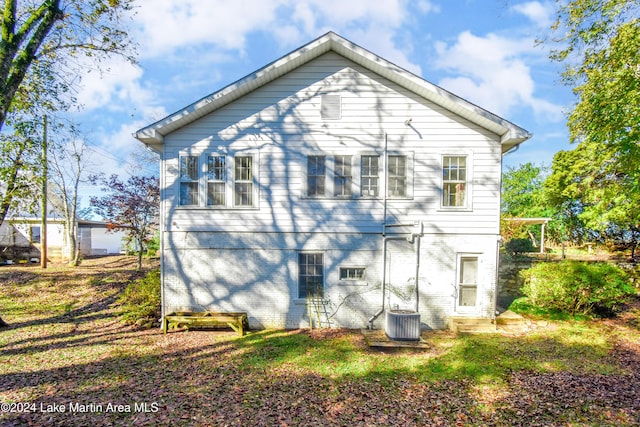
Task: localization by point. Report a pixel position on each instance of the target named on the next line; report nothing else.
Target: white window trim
(179, 180)
(468, 202)
(410, 155)
(230, 157)
(358, 175)
(226, 179)
(324, 273)
(254, 183)
(356, 178)
(351, 280)
(305, 175)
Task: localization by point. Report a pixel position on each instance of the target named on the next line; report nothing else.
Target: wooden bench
(239, 322)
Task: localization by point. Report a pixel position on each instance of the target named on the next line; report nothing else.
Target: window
(216, 180)
(397, 176)
(352, 273)
(35, 234)
(454, 181)
(342, 176)
(369, 176)
(316, 175)
(310, 275)
(468, 281)
(188, 180)
(243, 181)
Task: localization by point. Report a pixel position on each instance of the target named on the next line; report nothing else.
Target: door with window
(467, 283)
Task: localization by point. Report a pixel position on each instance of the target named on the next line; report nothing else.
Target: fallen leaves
(273, 378)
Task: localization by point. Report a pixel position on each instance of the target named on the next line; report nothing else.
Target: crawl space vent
(331, 107)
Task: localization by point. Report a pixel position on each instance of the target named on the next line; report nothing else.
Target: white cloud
(540, 13)
(116, 88)
(167, 25)
(493, 73)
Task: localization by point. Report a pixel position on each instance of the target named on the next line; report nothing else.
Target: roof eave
(511, 135)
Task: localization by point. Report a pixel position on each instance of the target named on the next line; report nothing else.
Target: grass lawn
(66, 360)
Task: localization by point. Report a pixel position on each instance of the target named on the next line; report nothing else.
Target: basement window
(310, 275)
(352, 273)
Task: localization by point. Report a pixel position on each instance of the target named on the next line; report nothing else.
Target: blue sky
(481, 50)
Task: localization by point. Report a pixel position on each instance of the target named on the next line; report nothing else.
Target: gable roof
(511, 134)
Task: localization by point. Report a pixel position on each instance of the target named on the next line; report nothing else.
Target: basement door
(467, 284)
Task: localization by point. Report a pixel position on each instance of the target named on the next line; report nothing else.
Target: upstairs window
(316, 175)
(342, 176)
(243, 178)
(188, 180)
(454, 181)
(216, 180)
(397, 176)
(369, 176)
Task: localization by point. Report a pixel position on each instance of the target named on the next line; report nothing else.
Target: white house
(331, 172)
(21, 238)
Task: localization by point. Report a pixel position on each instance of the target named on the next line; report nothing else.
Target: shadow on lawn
(276, 377)
(90, 312)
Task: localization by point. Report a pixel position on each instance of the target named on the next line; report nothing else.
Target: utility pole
(43, 234)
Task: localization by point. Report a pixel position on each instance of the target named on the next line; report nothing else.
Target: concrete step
(476, 329)
(510, 318)
(471, 325)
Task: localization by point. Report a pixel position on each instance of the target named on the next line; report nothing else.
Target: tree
(522, 192)
(19, 168)
(50, 33)
(68, 165)
(600, 47)
(523, 196)
(594, 197)
(41, 46)
(132, 206)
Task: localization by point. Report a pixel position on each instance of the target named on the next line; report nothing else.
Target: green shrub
(576, 287)
(140, 301)
(519, 246)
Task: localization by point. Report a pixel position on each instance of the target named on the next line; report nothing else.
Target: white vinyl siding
(291, 239)
(279, 124)
(331, 108)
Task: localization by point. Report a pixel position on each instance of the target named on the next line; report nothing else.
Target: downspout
(384, 277)
(162, 226)
(384, 194)
(418, 268)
